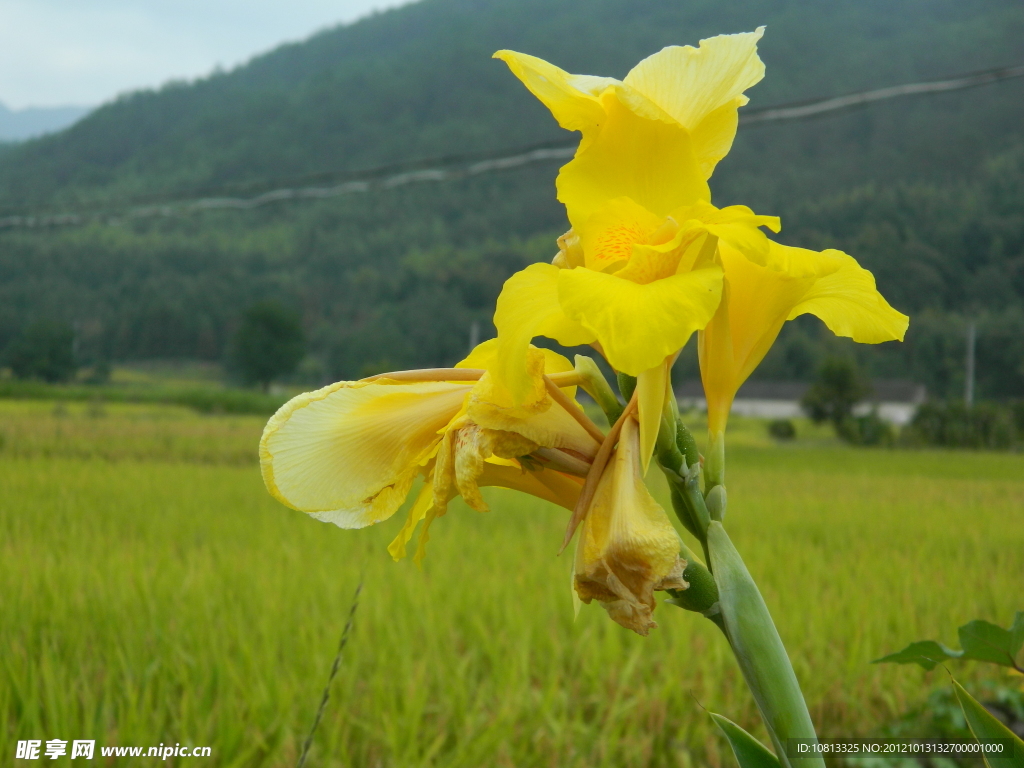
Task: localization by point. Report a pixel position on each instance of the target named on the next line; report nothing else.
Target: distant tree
(269, 343)
(44, 350)
(837, 388)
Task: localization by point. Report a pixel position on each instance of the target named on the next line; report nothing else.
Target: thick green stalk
(759, 650)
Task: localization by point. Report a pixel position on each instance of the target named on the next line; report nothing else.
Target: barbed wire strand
(453, 167)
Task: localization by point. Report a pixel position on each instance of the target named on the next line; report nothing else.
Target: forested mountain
(926, 191)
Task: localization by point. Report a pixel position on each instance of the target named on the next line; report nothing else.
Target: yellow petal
(757, 300)
(702, 88)
(609, 235)
(527, 307)
(473, 446)
(850, 305)
(651, 386)
(627, 548)
(649, 161)
(543, 483)
(573, 99)
(736, 225)
(425, 499)
(348, 453)
(640, 325)
(755, 303)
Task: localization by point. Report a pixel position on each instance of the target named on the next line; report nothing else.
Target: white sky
(84, 52)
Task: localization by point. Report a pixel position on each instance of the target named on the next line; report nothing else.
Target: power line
(451, 167)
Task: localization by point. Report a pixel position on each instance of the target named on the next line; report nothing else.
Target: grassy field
(151, 591)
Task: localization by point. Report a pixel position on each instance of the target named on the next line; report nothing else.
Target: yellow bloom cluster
(648, 262)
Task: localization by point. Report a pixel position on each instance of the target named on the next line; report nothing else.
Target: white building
(895, 401)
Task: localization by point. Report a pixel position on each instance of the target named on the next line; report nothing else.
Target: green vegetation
(952, 424)
(162, 596)
(269, 343)
(44, 350)
(926, 192)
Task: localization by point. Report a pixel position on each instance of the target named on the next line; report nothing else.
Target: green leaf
(1017, 636)
(984, 725)
(927, 653)
(983, 641)
(750, 753)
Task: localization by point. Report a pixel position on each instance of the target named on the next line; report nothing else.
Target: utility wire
(452, 167)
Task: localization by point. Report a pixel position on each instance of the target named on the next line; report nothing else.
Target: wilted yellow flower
(349, 453)
(757, 300)
(636, 274)
(627, 547)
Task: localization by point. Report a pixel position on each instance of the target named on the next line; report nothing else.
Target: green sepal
(626, 384)
(983, 641)
(687, 445)
(683, 511)
(984, 725)
(927, 653)
(716, 502)
(749, 752)
(701, 595)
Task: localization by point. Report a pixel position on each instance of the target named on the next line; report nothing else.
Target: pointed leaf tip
(985, 726)
(749, 752)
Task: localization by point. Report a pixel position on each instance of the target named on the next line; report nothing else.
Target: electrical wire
(450, 167)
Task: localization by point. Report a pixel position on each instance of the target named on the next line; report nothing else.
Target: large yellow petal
(573, 99)
(647, 160)
(348, 453)
(640, 325)
(850, 305)
(756, 301)
(527, 307)
(702, 88)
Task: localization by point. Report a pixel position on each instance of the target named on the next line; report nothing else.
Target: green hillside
(925, 191)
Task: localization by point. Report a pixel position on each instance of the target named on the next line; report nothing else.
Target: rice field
(152, 592)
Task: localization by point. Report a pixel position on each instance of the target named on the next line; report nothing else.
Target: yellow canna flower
(758, 299)
(627, 547)
(636, 274)
(654, 136)
(349, 453)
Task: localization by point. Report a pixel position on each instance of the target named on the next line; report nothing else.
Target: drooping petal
(647, 160)
(651, 388)
(702, 88)
(627, 547)
(545, 484)
(757, 300)
(640, 325)
(527, 307)
(348, 453)
(423, 503)
(850, 305)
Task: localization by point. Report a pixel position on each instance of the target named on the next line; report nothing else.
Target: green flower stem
(714, 461)
(759, 650)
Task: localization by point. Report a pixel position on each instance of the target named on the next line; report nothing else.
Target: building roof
(884, 391)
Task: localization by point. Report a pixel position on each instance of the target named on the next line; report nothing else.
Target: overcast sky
(84, 52)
